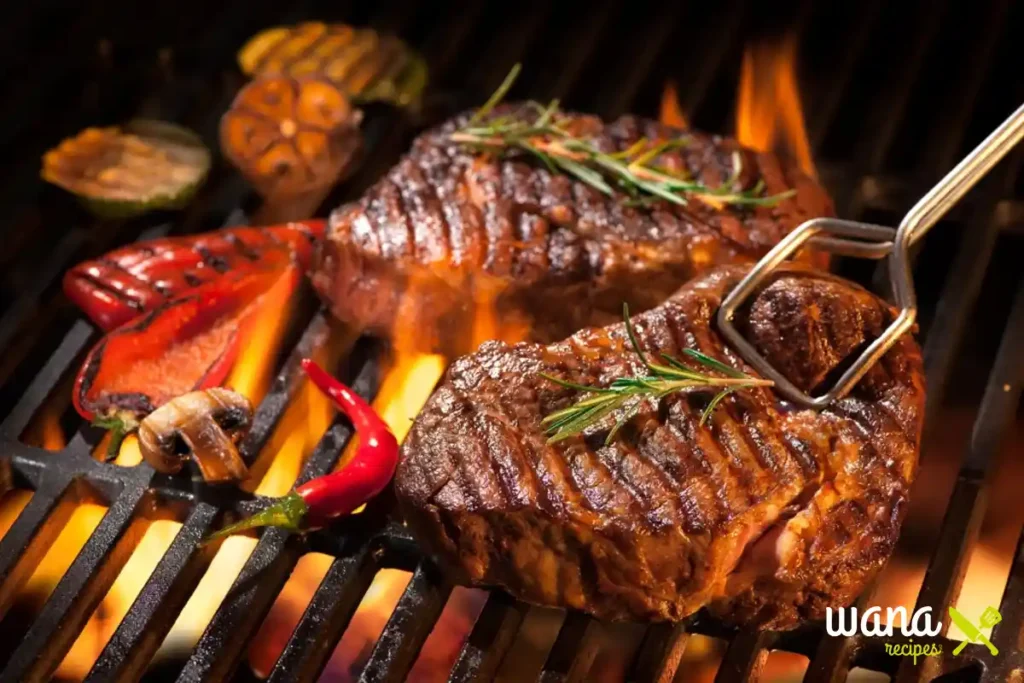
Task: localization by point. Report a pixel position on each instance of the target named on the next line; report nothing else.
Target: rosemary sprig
(628, 394)
(550, 138)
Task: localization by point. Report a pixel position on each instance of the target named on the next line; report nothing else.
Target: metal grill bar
(407, 629)
(556, 83)
(142, 629)
(326, 618)
(831, 663)
(882, 126)
(509, 45)
(712, 51)
(961, 291)
(492, 636)
(966, 509)
(38, 524)
(1009, 634)
(952, 115)
(876, 136)
(74, 341)
(161, 599)
(574, 650)
(745, 656)
(223, 643)
(659, 653)
(617, 100)
(79, 591)
(842, 70)
(998, 407)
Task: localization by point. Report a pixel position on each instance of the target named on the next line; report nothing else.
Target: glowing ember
(768, 113)
(671, 113)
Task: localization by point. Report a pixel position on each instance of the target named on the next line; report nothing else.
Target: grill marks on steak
(448, 225)
(767, 514)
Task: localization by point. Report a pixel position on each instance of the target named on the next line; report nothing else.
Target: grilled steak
(448, 228)
(766, 514)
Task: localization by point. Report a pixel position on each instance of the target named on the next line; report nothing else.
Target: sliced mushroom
(205, 425)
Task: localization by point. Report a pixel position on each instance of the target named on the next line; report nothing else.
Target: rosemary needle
(549, 138)
(629, 393)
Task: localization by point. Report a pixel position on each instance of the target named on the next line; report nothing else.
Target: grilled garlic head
(204, 425)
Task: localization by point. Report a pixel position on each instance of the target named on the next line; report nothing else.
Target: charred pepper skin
(126, 283)
(173, 310)
(184, 344)
(321, 500)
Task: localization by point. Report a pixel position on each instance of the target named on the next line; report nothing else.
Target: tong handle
(965, 175)
(934, 205)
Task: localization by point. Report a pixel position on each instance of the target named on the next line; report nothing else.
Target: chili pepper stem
(120, 423)
(287, 512)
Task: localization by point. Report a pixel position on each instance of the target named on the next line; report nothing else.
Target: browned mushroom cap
(205, 425)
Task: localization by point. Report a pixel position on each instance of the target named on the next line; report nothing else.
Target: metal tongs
(864, 240)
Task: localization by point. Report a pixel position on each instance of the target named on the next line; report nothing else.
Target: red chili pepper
(128, 282)
(319, 501)
(185, 344)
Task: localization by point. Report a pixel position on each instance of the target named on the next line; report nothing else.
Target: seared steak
(766, 513)
(448, 227)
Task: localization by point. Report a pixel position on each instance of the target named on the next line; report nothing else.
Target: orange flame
(670, 112)
(405, 388)
(409, 381)
(303, 424)
(413, 371)
(294, 438)
(769, 115)
(46, 431)
(254, 368)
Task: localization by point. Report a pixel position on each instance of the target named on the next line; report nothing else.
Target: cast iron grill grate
(884, 124)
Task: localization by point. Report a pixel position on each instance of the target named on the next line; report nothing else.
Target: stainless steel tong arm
(863, 240)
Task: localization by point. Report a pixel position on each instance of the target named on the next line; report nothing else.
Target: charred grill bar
(879, 148)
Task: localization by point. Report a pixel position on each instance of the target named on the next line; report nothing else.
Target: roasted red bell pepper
(184, 344)
(323, 499)
(128, 282)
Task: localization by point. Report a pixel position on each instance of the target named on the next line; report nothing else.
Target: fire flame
(307, 418)
(300, 428)
(407, 384)
(46, 432)
(404, 390)
(769, 115)
(671, 113)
